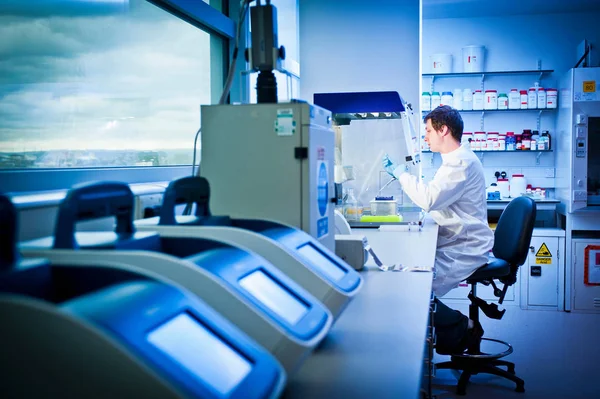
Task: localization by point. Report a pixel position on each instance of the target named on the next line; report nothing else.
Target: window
(101, 86)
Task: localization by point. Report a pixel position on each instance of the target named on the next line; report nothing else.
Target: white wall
(512, 43)
(354, 45)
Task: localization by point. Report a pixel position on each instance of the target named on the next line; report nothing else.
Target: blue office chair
(511, 244)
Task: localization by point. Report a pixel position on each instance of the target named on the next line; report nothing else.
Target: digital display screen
(274, 296)
(324, 264)
(202, 353)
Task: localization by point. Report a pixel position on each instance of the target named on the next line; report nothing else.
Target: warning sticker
(543, 261)
(543, 252)
(589, 86)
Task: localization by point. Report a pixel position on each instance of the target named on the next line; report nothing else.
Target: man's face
(433, 137)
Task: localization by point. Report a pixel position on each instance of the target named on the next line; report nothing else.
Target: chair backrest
(513, 232)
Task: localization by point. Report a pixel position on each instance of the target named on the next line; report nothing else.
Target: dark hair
(448, 116)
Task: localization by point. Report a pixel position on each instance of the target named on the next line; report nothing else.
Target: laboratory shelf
(503, 110)
(492, 73)
(523, 151)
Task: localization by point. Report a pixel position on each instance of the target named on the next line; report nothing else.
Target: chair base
(475, 363)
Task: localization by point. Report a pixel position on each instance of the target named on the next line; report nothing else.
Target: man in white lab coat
(456, 201)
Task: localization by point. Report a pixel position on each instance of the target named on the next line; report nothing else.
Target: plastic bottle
(526, 140)
(352, 212)
(547, 139)
(447, 98)
(435, 100)
(426, 101)
(551, 98)
(491, 99)
(467, 100)
(518, 185)
(502, 101)
(524, 100)
(532, 98)
(478, 100)
(511, 141)
(535, 138)
(541, 98)
(514, 99)
(458, 103)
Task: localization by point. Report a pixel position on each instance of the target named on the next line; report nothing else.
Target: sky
(90, 80)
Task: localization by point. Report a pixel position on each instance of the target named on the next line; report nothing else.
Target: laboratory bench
(378, 346)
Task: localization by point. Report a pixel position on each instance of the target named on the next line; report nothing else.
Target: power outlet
(549, 172)
(146, 201)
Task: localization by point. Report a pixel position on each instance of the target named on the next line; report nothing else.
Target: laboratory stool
(511, 244)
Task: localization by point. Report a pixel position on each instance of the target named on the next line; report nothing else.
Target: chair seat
(493, 269)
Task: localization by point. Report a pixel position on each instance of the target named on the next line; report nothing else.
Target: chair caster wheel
(520, 388)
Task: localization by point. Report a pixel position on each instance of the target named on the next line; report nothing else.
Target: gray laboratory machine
(295, 253)
(271, 161)
(97, 331)
(242, 286)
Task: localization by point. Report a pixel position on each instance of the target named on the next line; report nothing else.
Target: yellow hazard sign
(589, 86)
(543, 261)
(543, 252)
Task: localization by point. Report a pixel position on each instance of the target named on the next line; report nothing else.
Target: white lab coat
(456, 200)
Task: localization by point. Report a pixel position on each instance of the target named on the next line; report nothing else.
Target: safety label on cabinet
(587, 93)
(543, 252)
(543, 255)
(591, 271)
(285, 125)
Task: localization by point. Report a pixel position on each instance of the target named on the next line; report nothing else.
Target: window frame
(200, 14)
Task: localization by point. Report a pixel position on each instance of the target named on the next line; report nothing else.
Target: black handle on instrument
(90, 201)
(187, 190)
(8, 233)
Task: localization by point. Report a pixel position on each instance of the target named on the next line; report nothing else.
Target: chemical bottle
(352, 211)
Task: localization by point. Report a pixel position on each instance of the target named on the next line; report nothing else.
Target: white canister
(541, 98)
(504, 188)
(467, 99)
(441, 63)
(502, 143)
(473, 58)
(518, 185)
(481, 141)
(436, 100)
(532, 98)
(502, 101)
(447, 98)
(524, 99)
(426, 101)
(491, 99)
(514, 99)
(478, 100)
(458, 103)
(551, 98)
(466, 139)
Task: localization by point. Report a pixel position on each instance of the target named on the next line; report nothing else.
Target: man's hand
(392, 168)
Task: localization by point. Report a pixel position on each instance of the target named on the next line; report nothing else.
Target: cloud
(64, 80)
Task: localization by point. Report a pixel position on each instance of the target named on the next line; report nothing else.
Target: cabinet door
(542, 273)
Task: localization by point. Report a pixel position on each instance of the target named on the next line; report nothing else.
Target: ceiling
(487, 8)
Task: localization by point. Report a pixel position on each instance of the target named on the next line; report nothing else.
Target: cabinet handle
(532, 248)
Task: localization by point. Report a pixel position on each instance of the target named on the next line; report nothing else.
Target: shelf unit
(482, 75)
(481, 154)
